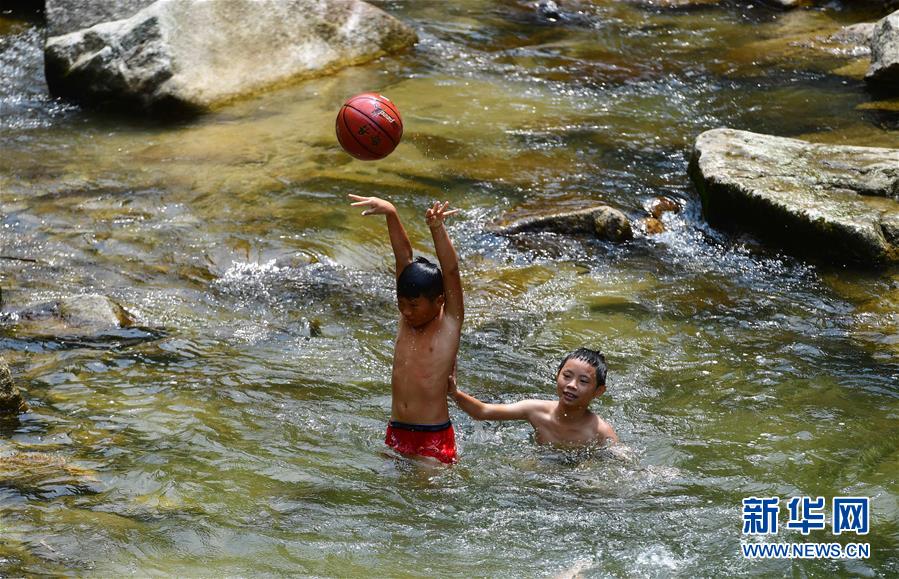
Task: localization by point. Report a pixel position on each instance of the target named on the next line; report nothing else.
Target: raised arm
(449, 261)
(402, 249)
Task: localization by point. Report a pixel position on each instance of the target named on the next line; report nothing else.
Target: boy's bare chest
(419, 341)
(432, 340)
(549, 431)
(424, 351)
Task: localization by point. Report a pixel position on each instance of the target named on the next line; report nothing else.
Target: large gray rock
(602, 222)
(857, 37)
(11, 400)
(838, 202)
(195, 54)
(884, 71)
(93, 311)
(65, 16)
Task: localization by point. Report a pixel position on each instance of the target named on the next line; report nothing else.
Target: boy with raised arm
(581, 377)
(427, 341)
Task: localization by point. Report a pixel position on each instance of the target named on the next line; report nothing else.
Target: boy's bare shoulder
(603, 429)
(541, 407)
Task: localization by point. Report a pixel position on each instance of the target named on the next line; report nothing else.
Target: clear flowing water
(248, 439)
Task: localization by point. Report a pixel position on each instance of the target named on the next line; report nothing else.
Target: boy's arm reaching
(449, 261)
(402, 249)
(482, 411)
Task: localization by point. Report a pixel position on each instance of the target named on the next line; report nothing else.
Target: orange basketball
(369, 126)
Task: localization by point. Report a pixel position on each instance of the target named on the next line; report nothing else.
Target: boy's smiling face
(576, 383)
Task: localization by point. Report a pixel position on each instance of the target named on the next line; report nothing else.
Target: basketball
(369, 126)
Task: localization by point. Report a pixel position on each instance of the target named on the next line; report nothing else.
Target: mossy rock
(839, 203)
(11, 400)
(30, 472)
(602, 222)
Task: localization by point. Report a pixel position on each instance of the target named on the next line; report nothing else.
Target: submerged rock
(192, 55)
(657, 207)
(87, 313)
(11, 400)
(801, 40)
(677, 3)
(838, 202)
(650, 226)
(39, 471)
(884, 71)
(93, 311)
(549, 10)
(602, 222)
(661, 205)
(788, 4)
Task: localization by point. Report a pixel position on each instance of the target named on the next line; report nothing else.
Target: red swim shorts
(434, 440)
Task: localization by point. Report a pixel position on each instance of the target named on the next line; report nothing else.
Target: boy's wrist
(436, 226)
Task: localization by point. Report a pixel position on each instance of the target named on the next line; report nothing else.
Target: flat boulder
(840, 203)
(602, 222)
(884, 71)
(191, 55)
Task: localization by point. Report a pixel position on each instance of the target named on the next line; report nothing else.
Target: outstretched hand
(438, 213)
(375, 205)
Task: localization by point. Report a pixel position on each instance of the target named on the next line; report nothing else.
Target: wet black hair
(593, 357)
(422, 277)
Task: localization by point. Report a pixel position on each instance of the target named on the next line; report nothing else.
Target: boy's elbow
(491, 412)
(474, 412)
(477, 412)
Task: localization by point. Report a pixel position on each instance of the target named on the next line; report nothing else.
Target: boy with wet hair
(422, 277)
(427, 341)
(581, 377)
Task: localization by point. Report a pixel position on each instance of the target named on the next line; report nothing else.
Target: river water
(248, 438)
